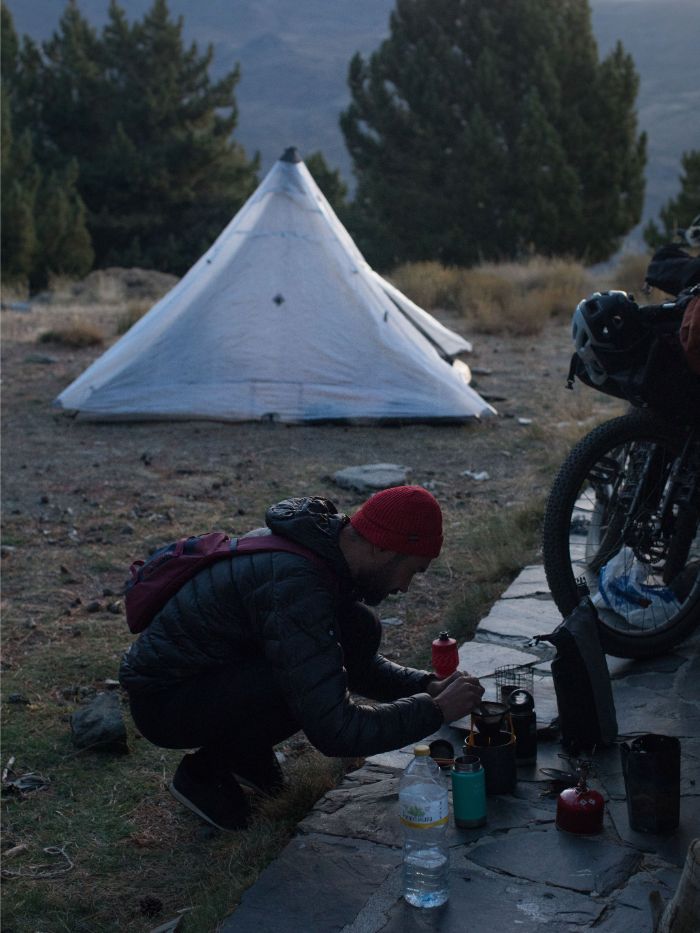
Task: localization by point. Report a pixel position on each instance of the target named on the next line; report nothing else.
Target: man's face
(392, 573)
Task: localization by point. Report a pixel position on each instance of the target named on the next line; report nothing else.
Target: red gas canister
(445, 655)
(580, 809)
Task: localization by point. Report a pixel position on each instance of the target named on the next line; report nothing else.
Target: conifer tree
(151, 133)
(64, 244)
(679, 212)
(43, 218)
(329, 181)
(485, 131)
(19, 173)
(20, 180)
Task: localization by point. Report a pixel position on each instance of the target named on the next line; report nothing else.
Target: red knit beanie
(405, 519)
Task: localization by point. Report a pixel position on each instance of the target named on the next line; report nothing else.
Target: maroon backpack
(154, 581)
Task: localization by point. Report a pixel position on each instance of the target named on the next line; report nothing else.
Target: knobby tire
(636, 426)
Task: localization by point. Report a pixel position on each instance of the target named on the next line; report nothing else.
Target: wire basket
(510, 677)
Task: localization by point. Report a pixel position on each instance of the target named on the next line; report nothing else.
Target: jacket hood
(314, 522)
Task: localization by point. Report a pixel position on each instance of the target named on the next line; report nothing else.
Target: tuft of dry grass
(429, 284)
(135, 310)
(493, 548)
(75, 336)
(13, 290)
(520, 298)
(628, 275)
(517, 298)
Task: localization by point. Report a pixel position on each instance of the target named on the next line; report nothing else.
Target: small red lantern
(579, 809)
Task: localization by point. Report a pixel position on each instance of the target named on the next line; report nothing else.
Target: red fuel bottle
(445, 655)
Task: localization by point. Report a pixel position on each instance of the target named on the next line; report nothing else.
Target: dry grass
(628, 275)
(13, 291)
(492, 548)
(135, 310)
(429, 284)
(514, 298)
(75, 335)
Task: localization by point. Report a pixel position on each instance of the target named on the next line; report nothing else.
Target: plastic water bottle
(424, 813)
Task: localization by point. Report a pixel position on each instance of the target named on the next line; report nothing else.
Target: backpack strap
(257, 543)
(156, 580)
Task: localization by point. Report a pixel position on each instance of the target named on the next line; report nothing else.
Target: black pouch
(672, 270)
(582, 682)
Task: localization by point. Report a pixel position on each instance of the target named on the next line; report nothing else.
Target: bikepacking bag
(690, 332)
(154, 581)
(672, 270)
(585, 701)
(652, 369)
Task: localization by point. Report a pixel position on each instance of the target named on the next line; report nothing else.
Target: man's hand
(459, 695)
(435, 687)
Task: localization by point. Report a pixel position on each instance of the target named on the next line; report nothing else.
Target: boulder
(371, 477)
(100, 725)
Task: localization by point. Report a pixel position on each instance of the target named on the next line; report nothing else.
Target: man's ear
(381, 555)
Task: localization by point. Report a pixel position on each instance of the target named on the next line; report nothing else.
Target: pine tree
(151, 133)
(64, 244)
(43, 217)
(678, 212)
(329, 181)
(486, 131)
(19, 174)
(20, 180)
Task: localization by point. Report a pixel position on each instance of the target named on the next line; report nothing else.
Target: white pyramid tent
(282, 318)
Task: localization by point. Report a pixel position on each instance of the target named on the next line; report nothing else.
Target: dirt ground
(82, 500)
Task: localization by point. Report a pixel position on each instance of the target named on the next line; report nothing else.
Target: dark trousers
(237, 709)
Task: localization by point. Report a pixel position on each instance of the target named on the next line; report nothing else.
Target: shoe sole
(249, 787)
(200, 813)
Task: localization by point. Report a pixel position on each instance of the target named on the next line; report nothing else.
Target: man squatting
(251, 650)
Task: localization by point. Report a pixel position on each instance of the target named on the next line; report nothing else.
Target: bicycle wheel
(610, 518)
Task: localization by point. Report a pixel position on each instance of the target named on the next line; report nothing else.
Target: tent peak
(290, 154)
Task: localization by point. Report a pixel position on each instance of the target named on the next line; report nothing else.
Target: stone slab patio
(342, 870)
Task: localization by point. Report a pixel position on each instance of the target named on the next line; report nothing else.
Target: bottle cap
(467, 763)
(421, 750)
(521, 701)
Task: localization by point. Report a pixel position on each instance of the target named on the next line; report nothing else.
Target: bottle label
(426, 815)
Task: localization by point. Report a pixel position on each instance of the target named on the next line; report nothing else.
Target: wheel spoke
(630, 529)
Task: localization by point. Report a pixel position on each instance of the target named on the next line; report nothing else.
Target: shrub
(75, 336)
(628, 275)
(429, 284)
(517, 298)
(134, 312)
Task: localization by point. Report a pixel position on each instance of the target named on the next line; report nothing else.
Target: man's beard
(372, 586)
(372, 597)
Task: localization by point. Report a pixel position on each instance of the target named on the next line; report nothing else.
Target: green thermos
(468, 792)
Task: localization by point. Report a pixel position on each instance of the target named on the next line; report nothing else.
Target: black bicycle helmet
(691, 234)
(605, 324)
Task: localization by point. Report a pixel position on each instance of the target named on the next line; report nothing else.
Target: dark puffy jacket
(283, 605)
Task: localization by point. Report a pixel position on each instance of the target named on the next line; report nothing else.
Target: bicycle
(623, 510)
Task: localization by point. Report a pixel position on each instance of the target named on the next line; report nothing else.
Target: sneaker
(260, 773)
(218, 799)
